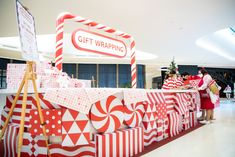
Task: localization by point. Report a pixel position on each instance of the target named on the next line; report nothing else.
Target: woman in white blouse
(206, 103)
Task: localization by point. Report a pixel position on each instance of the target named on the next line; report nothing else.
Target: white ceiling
(165, 28)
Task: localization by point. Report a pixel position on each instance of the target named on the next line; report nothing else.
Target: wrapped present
(150, 116)
(57, 150)
(15, 75)
(107, 115)
(186, 121)
(16, 117)
(196, 101)
(76, 99)
(193, 118)
(156, 98)
(43, 103)
(162, 128)
(10, 140)
(161, 111)
(175, 124)
(79, 83)
(181, 101)
(170, 102)
(133, 114)
(52, 118)
(75, 128)
(150, 137)
(128, 142)
(33, 146)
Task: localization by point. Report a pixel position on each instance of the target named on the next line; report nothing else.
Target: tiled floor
(212, 140)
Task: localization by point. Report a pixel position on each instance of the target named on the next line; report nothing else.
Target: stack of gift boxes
(113, 126)
(47, 77)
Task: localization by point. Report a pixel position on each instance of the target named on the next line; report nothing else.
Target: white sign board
(27, 33)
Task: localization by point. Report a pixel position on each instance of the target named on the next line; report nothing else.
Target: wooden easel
(29, 75)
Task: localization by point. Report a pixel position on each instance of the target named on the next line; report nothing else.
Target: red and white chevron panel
(57, 150)
(43, 103)
(150, 137)
(150, 116)
(133, 114)
(10, 140)
(181, 103)
(107, 115)
(193, 118)
(156, 98)
(122, 143)
(52, 118)
(162, 128)
(33, 146)
(170, 102)
(175, 124)
(16, 117)
(75, 128)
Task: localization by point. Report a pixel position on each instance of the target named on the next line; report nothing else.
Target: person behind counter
(172, 82)
(187, 78)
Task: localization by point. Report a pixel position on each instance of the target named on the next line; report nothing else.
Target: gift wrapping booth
(66, 117)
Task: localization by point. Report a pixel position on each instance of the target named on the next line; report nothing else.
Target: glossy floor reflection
(212, 140)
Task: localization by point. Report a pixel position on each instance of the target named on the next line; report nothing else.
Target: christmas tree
(173, 66)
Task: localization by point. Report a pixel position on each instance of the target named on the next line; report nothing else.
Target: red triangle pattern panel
(75, 128)
(150, 116)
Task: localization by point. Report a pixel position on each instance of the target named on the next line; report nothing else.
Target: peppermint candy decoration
(107, 115)
(133, 114)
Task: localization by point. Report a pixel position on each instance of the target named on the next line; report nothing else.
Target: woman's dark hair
(203, 71)
(184, 74)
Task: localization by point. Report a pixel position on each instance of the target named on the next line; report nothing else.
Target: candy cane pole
(60, 32)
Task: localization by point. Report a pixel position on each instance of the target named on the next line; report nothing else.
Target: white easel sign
(27, 33)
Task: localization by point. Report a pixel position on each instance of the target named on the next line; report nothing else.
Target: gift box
(175, 124)
(162, 128)
(52, 119)
(193, 118)
(16, 116)
(57, 150)
(150, 137)
(186, 121)
(170, 102)
(33, 146)
(127, 142)
(15, 75)
(10, 140)
(79, 83)
(76, 99)
(75, 128)
(156, 98)
(196, 101)
(43, 103)
(150, 116)
(181, 100)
